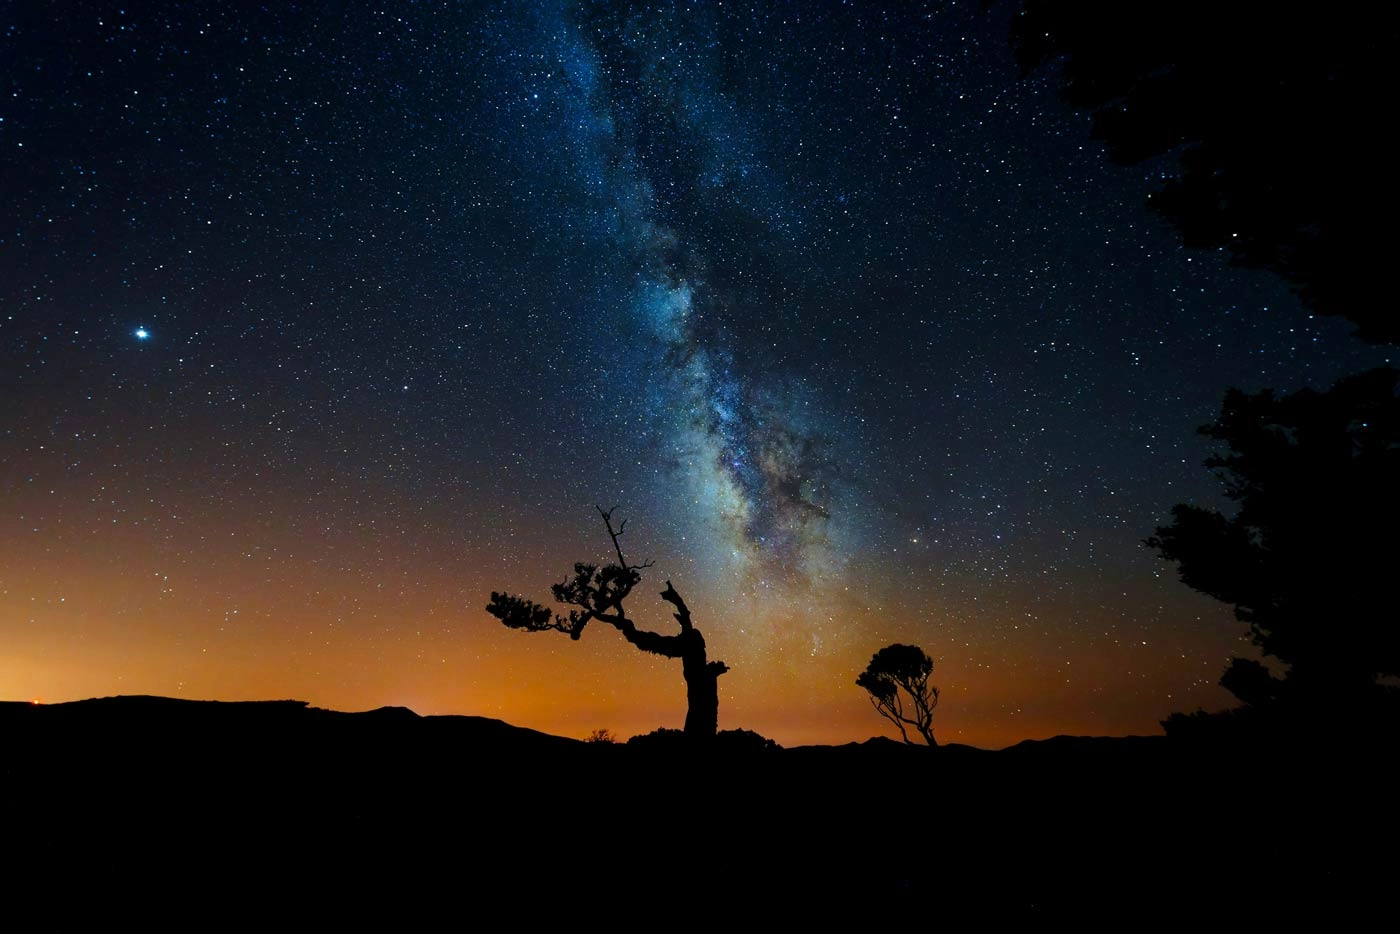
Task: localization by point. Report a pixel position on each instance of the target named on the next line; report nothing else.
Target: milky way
(741, 439)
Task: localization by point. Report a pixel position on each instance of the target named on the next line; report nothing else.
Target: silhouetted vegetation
(1307, 557)
(1269, 115)
(598, 593)
(1261, 117)
(897, 680)
(725, 741)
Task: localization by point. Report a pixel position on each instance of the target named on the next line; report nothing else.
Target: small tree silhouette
(899, 670)
(597, 593)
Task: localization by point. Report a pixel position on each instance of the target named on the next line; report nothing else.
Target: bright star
(142, 334)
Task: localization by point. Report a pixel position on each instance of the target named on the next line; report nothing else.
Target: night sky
(322, 321)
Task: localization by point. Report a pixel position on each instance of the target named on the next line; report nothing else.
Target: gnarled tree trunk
(701, 687)
(701, 674)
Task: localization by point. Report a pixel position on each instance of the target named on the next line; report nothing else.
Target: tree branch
(654, 642)
(520, 613)
(616, 534)
(682, 613)
(884, 711)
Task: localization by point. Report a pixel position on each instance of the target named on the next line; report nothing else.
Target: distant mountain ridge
(152, 710)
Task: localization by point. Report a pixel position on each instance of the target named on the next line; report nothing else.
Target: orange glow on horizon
(255, 613)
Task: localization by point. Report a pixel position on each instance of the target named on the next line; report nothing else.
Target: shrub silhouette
(738, 742)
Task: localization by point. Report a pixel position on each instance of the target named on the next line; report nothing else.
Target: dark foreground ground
(195, 814)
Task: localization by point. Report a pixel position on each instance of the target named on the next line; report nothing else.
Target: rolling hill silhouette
(151, 805)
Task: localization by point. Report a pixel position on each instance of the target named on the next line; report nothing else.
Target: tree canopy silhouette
(1272, 114)
(598, 593)
(897, 680)
(1309, 555)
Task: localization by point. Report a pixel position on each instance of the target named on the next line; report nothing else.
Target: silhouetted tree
(1271, 112)
(1308, 559)
(598, 593)
(895, 673)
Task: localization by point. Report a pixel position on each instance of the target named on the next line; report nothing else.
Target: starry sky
(323, 320)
